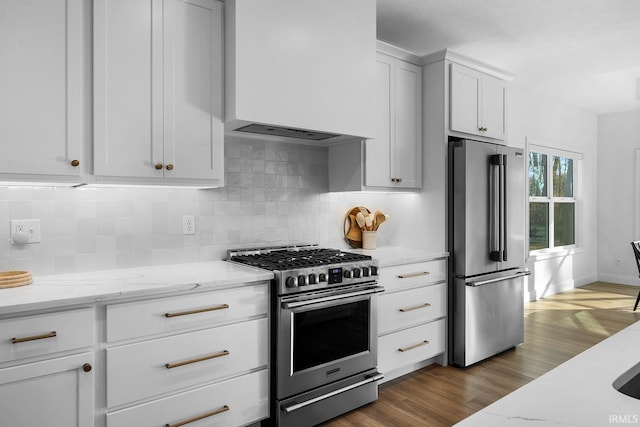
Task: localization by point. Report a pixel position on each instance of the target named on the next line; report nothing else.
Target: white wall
(618, 141)
(532, 115)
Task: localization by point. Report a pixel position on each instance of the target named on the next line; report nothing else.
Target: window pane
(562, 177)
(564, 224)
(537, 174)
(538, 226)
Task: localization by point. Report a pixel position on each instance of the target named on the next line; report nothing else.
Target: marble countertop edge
(55, 291)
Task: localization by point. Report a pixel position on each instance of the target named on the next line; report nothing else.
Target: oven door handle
(289, 305)
(287, 409)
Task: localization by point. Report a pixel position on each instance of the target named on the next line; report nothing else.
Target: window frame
(551, 150)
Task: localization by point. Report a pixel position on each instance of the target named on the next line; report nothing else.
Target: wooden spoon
(360, 220)
(379, 219)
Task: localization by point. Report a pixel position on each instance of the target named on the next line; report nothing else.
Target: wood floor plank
(557, 328)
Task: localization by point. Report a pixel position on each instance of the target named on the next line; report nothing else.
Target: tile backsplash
(274, 193)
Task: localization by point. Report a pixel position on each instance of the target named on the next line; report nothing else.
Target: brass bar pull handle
(196, 360)
(34, 337)
(415, 307)
(408, 276)
(200, 310)
(225, 408)
(411, 347)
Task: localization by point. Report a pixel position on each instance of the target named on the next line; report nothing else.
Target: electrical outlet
(189, 224)
(25, 231)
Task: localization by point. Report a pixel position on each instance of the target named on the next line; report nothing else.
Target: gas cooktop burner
(307, 267)
(301, 258)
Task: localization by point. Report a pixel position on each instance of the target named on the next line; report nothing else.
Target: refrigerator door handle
(495, 207)
(498, 279)
(503, 208)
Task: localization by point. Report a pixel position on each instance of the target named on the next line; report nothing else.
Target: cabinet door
(465, 99)
(54, 393)
(193, 122)
(43, 86)
(128, 88)
(407, 148)
(493, 107)
(378, 153)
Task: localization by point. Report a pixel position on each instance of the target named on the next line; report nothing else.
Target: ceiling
(585, 52)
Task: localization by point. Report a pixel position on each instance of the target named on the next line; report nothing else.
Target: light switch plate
(25, 231)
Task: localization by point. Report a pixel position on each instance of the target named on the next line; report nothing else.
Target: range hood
(300, 71)
(285, 132)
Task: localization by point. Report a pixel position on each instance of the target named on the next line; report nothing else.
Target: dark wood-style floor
(556, 329)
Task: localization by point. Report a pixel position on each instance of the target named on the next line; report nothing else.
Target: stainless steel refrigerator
(487, 249)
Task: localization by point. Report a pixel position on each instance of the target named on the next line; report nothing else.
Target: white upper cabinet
(394, 157)
(44, 90)
(158, 81)
(478, 103)
(301, 64)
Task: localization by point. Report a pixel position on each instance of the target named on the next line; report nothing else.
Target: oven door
(323, 337)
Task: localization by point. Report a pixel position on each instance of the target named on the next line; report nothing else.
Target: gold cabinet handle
(393, 179)
(411, 347)
(200, 310)
(158, 166)
(170, 166)
(75, 163)
(34, 337)
(225, 408)
(398, 179)
(482, 129)
(196, 360)
(410, 275)
(87, 367)
(415, 307)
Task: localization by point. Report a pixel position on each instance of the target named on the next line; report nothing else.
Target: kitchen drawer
(410, 346)
(406, 276)
(45, 334)
(411, 307)
(138, 319)
(137, 371)
(240, 401)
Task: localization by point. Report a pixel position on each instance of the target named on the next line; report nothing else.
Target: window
(553, 198)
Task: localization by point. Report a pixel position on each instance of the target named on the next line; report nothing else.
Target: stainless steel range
(324, 331)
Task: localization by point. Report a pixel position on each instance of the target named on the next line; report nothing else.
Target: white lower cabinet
(411, 316)
(196, 358)
(235, 402)
(55, 393)
(40, 382)
(155, 367)
(411, 345)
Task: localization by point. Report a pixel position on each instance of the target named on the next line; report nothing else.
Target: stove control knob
(365, 271)
(312, 279)
(322, 277)
(302, 280)
(347, 274)
(374, 270)
(356, 273)
(291, 282)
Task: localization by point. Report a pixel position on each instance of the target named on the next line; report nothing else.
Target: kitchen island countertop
(577, 393)
(63, 290)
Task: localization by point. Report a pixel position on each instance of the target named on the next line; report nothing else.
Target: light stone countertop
(47, 292)
(577, 393)
(62, 290)
(389, 256)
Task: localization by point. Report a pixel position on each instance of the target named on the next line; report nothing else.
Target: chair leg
(637, 301)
